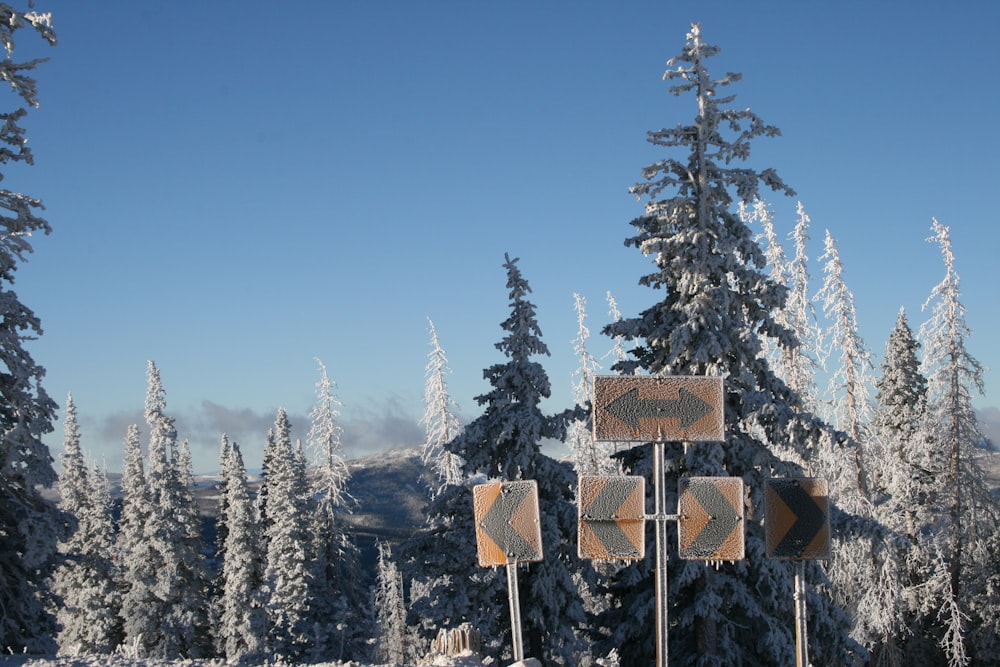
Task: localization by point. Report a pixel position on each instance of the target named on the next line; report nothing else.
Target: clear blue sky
(238, 187)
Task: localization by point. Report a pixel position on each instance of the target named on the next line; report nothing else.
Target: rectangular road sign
(796, 519)
(612, 518)
(507, 523)
(640, 408)
(710, 518)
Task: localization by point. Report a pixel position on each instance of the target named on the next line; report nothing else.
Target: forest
(914, 577)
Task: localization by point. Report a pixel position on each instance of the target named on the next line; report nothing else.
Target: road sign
(710, 518)
(507, 526)
(612, 523)
(630, 408)
(796, 519)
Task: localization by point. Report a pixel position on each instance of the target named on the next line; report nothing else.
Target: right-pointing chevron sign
(796, 519)
(612, 518)
(710, 518)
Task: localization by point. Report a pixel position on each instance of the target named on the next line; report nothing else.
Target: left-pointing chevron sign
(507, 526)
(612, 518)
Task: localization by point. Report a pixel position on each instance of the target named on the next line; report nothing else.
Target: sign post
(658, 409)
(508, 532)
(797, 527)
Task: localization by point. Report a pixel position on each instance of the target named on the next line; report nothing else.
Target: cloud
(378, 427)
(989, 424)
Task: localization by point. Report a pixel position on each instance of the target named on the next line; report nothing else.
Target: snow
(463, 660)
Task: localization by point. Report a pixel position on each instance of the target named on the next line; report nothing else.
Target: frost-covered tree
(84, 583)
(969, 515)
(165, 607)
(850, 384)
(590, 457)
(339, 601)
(504, 443)
(28, 521)
(717, 306)
(390, 609)
(242, 618)
(440, 421)
(287, 573)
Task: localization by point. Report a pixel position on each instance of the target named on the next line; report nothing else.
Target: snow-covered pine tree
(84, 582)
(338, 609)
(242, 622)
(222, 513)
(504, 443)
(390, 609)
(28, 522)
(441, 425)
(969, 517)
(287, 572)
(165, 608)
(130, 546)
(590, 457)
(717, 305)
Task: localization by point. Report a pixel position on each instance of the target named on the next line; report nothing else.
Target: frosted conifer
(440, 421)
(242, 618)
(969, 516)
(28, 521)
(390, 608)
(717, 305)
(589, 456)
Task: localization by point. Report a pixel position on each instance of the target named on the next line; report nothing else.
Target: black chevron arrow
(723, 519)
(497, 523)
(629, 408)
(601, 517)
(809, 518)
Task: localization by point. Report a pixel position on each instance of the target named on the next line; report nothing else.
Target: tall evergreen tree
(590, 457)
(287, 571)
(716, 307)
(28, 521)
(165, 609)
(242, 618)
(440, 421)
(84, 582)
(969, 515)
(339, 602)
(390, 609)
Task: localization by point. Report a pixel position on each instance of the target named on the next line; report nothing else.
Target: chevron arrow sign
(507, 525)
(612, 518)
(710, 518)
(796, 519)
(630, 408)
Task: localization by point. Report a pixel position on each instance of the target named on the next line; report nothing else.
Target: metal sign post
(660, 508)
(801, 638)
(508, 532)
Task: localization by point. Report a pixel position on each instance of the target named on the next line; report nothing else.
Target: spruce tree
(717, 305)
(504, 443)
(242, 619)
(440, 421)
(969, 516)
(28, 521)
(390, 609)
(339, 622)
(287, 570)
(84, 582)
(589, 456)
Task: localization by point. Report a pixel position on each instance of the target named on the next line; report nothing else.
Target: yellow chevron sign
(612, 518)
(507, 524)
(710, 518)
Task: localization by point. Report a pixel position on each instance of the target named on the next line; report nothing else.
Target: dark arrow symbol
(809, 518)
(497, 523)
(723, 520)
(601, 517)
(629, 408)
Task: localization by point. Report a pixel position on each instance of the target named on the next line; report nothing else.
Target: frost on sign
(710, 523)
(507, 523)
(612, 518)
(677, 408)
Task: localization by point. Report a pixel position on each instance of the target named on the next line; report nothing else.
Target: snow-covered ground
(121, 661)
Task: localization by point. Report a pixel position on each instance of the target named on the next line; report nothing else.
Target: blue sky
(239, 187)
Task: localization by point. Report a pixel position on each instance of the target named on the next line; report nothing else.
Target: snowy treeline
(913, 579)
